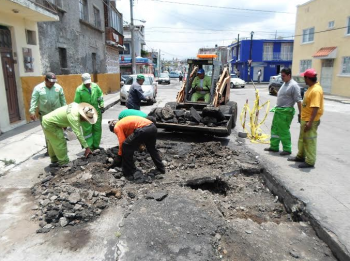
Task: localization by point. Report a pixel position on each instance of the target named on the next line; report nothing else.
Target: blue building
(269, 56)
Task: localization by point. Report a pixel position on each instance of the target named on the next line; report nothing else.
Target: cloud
(180, 30)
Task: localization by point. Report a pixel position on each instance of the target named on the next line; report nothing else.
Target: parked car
(174, 75)
(164, 78)
(276, 83)
(236, 82)
(154, 81)
(148, 87)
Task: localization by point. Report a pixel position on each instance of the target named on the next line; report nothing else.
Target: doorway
(326, 75)
(9, 74)
(255, 73)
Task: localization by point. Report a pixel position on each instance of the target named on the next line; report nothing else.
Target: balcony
(114, 38)
(278, 56)
(30, 10)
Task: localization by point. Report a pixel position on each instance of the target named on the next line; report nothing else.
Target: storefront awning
(326, 53)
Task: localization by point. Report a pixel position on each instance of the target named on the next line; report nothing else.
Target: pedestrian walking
(311, 113)
(284, 111)
(180, 77)
(238, 74)
(259, 75)
(47, 97)
(133, 131)
(136, 94)
(89, 92)
(71, 115)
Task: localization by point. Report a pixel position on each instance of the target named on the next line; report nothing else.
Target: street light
(142, 21)
(250, 56)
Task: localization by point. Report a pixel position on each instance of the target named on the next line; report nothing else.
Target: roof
(324, 52)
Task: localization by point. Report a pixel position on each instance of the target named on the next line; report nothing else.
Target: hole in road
(215, 186)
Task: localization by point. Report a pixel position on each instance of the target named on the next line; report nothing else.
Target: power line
(223, 7)
(292, 36)
(196, 29)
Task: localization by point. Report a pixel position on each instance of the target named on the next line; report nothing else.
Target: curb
(345, 101)
(112, 104)
(298, 209)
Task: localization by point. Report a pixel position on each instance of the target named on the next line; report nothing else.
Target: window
(31, 37)
(308, 35)
(127, 49)
(62, 53)
(97, 19)
(268, 51)
(345, 69)
(348, 29)
(287, 51)
(83, 10)
(304, 65)
(330, 24)
(116, 21)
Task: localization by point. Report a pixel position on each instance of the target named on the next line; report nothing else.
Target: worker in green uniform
(91, 93)
(72, 115)
(47, 97)
(201, 85)
(131, 112)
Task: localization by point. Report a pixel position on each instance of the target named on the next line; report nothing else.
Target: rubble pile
(210, 116)
(80, 193)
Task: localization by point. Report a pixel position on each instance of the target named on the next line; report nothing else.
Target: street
(201, 223)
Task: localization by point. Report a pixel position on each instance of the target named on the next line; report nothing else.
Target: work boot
(269, 149)
(54, 165)
(158, 171)
(284, 153)
(305, 165)
(296, 159)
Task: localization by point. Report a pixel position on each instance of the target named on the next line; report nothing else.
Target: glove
(102, 109)
(117, 162)
(298, 118)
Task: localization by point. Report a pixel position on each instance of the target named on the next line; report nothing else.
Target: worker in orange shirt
(132, 131)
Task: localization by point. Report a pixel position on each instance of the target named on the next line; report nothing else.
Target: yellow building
(322, 42)
(20, 56)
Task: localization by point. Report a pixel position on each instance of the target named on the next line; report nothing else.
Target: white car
(148, 87)
(164, 78)
(236, 82)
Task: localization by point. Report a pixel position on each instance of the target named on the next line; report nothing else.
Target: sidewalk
(22, 143)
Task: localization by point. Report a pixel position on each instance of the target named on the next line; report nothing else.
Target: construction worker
(136, 94)
(71, 115)
(284, 111)
(311, 112)
(91, 93)
(132, 131)
(48, 96)
(131, 112)
(201, 85)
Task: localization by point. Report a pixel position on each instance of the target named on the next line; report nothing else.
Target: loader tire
(234, 112)
(172, 105)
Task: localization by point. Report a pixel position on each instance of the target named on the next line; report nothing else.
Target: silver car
(148, 87)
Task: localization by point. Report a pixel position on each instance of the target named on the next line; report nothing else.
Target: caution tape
(255, 134)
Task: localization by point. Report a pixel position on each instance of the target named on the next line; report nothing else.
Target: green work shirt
(95, 98)
(67, 116)
(47, 99)
(131, 112)
(205, 84)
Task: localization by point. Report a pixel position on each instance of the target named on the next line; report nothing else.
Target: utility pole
(250, 56)
(159, 63)
(133, 62)
(237, 51)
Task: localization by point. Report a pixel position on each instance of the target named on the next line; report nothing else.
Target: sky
(178, 30)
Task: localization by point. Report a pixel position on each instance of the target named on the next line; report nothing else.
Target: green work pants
(307, 143)
(56, 144)
(197, 95)
(280, 129)
(93, 132)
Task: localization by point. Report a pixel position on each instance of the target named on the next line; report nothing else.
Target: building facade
(20, 55)
(75, 44)
(269, 56)
(322, 42)
(143, 64)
